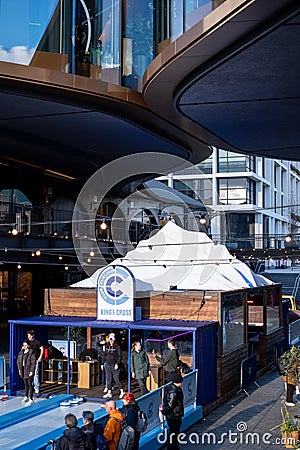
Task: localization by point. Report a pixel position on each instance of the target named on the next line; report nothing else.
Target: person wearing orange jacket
(113, 428)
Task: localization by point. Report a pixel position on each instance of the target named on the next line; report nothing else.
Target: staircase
(290, 282)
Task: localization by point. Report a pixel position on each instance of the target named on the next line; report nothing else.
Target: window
(275, 175)
(236, 191)
(185, 187)
(158, 340)
(137, 42)
(206, 166)
(239, 225)
(232, 322)
(15, 208)
(203, 188)
(233, 162)
(273, 321)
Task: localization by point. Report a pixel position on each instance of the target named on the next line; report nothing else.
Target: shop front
(74, 373)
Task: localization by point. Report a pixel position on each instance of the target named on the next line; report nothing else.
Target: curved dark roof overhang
(69, 126)
(236, 85)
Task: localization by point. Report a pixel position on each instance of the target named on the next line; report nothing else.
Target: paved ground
(245, 422)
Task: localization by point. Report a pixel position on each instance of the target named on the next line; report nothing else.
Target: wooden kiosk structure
(220, 330)
(250, 320)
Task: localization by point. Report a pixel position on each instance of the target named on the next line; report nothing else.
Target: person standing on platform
(111, 361)
(26, 362)
(140, 366)
(173, 410)
(170, 361)
(102, 345)
(38, 349)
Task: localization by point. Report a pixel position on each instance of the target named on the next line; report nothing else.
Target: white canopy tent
(189, 260)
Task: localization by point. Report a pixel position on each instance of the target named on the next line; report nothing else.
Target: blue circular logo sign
(110, 285)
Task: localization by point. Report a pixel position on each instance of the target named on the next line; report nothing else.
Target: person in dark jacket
(91, 429)
(111, 361)
(140, 366)
(38, 349)
(88, 354)
(173, 410)
(26, 362)
(73, 436)
(170, 361)
(131, 409)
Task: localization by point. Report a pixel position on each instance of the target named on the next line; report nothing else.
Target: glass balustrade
(106, 40)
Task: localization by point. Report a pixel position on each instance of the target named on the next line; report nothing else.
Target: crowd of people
(92, 435)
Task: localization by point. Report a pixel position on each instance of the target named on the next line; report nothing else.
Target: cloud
(18, 54)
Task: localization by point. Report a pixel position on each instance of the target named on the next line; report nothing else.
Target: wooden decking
(95, 393)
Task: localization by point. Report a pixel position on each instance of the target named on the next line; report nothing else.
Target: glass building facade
(253, 200)
(109, 40)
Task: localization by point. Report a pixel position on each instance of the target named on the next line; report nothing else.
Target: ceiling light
(103, 225)
(202, 220)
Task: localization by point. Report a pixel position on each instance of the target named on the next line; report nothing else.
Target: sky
(22, 25)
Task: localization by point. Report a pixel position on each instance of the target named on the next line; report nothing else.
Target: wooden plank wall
(266, 349)
(181, 305)
(175, 305)
(229, 371)
(70, 302)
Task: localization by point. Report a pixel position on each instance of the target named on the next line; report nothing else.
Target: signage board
(116, 294)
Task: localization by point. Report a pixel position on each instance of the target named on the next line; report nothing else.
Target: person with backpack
(94, 431)
(134, 417)
(173, 410)
(140, 366)
(113, 426)
(73, 437)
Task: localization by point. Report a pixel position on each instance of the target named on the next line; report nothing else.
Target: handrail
(296, 286)
(294, 331)
(258, 266)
